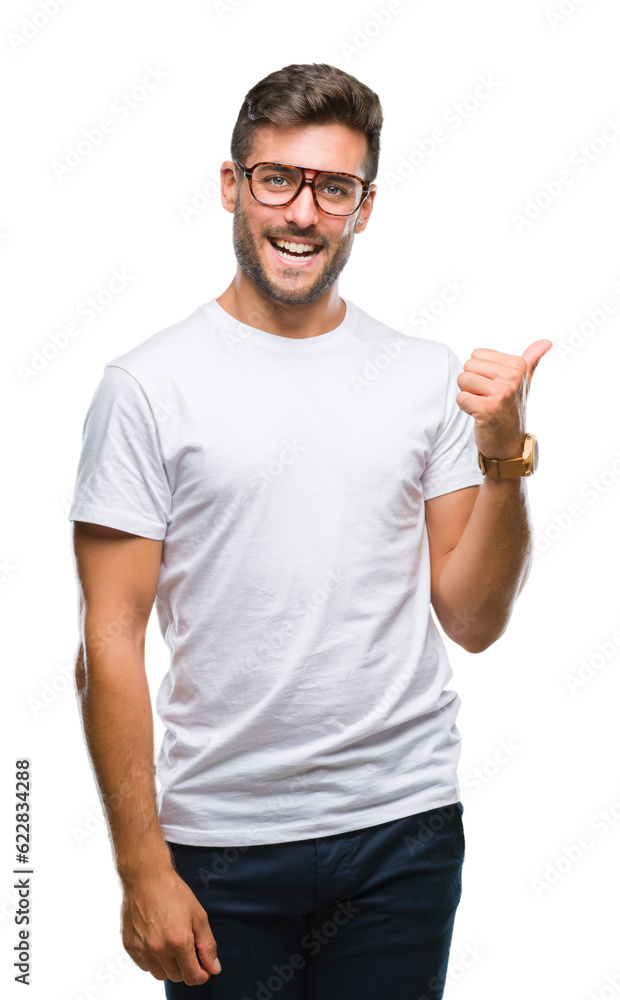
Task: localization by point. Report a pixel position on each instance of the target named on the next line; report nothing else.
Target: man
(293, 483)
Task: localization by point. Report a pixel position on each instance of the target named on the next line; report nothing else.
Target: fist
(494, 390)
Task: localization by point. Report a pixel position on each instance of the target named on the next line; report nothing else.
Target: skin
(265, 292)
(480, 544)
(481, 537)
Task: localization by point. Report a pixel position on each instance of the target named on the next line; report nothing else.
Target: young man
(293, 483)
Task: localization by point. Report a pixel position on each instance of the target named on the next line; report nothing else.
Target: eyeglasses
(278, 184)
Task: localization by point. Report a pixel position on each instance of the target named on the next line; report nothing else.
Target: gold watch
(509, 468)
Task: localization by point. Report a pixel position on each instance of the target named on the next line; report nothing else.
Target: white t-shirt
(306, 690)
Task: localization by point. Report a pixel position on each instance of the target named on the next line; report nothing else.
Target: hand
(163, 924)
(494, 390)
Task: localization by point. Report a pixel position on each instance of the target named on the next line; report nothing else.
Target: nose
(302, 211)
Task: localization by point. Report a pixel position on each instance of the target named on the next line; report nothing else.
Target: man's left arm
(480, 537)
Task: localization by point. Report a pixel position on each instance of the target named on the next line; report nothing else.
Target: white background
(532, 921)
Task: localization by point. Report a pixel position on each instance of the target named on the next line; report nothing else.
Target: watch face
(535, 456)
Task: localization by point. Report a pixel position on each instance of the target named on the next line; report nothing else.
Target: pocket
(435, 835)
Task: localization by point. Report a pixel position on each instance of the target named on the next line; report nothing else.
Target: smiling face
(255, 226)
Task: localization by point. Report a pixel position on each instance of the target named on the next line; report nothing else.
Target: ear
(366, 208)
(228, 185)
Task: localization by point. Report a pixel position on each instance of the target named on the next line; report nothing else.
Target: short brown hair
(310, 94)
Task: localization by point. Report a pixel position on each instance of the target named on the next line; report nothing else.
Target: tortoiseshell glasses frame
(248, 171)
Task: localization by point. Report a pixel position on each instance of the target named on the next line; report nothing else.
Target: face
(293, 282)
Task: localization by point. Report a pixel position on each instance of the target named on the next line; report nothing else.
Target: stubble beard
(250, 262)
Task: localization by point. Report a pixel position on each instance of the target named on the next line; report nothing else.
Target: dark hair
(310, 94)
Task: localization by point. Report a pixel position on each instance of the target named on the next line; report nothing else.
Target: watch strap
(505, 468)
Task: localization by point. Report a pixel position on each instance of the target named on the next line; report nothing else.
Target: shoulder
(396, 343)
(162, 354)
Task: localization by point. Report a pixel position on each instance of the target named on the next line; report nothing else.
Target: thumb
(206, 945)
(533, 354)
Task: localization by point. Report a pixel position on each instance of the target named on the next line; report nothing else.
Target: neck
(249, 305)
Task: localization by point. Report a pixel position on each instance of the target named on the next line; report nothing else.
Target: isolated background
(537, 918)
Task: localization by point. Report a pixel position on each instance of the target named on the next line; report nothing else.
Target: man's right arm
(162, 920)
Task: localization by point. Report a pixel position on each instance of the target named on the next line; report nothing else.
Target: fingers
(485, 354)
(149, 963)
(492, 369)
(181, 963)
(161, 915)
(169, 958)
(484, 386)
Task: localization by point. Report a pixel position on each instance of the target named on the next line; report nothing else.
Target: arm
(480, 545)
(163, 921)
(480, 537)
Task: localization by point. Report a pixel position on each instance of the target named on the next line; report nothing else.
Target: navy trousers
(362, 915)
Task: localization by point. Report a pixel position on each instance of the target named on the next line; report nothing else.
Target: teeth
(299, 247)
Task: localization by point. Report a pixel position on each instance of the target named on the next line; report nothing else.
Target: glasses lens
(275, 185)
(337, 194)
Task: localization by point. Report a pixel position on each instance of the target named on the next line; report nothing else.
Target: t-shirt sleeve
(453, 462)
(121, 479)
